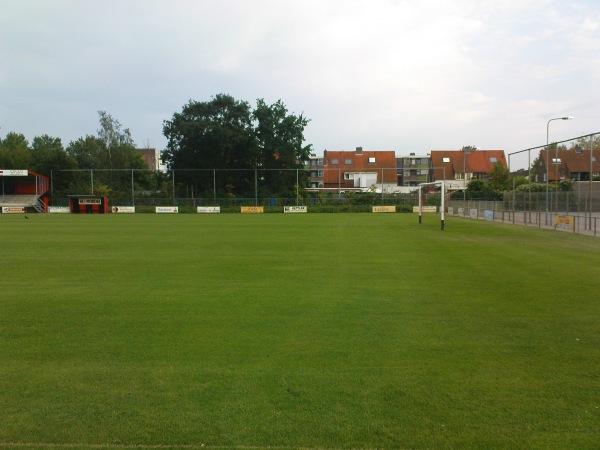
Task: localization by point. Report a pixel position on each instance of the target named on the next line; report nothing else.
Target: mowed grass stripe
(318, 331)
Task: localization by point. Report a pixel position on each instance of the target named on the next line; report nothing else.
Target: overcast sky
(403, 75)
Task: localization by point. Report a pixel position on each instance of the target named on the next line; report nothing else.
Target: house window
(320, 173)
(348, 161)
(335, 161)
(446, 160)
(372, 160)
(319, 161)
(413, 162)
(347, 176)
(555, 160)
(493, 159)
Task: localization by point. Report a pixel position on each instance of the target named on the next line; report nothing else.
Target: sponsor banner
(123, 209)
(90, 201)
(208, 209)
(252, 209)
(425, 209)
(564, 223)
(461, 212)
(167, 209)
(450, 211)
(473, 213)
(384, 209)
(488, 214)
(13, 173)
(295, 209)
(13, 210)
(59, 209)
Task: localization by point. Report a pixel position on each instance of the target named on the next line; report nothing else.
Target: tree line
(223, 133)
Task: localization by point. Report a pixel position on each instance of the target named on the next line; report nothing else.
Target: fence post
(132, 190)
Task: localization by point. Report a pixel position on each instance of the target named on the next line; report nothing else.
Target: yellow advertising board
(565, 223)
(252, 209)
(384, 209)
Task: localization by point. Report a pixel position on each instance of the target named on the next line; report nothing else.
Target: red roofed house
(573, 164)
(360, 170)
(458, 167)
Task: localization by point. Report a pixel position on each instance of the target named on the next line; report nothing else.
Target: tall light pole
(547, 158)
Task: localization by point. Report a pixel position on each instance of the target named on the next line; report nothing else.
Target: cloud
(383, 74)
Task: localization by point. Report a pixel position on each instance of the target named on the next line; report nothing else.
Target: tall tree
(499, 178)
(225, 133)
(113, 136)
(51, 159)
(15, 152)
(49, 155)
(279, 139)
(211, 135)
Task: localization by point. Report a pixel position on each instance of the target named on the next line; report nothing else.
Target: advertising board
(384, 209)
(564, 223)
(295, 209)
(425, 209)
(167, 209)
(252, 209)
(208, 209)
(13, 210)
(13, 173)
(58, 209)
(123, 209)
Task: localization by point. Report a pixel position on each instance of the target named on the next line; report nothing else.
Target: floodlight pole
(547, 158)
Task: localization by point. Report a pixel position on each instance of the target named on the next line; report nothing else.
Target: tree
(499, 177)
(279, 139)
(476, 185)
(89, 153)
(15, 152)
(50, 158)
(115, 139)
(225, 133)
(113, 149)
(49, 155)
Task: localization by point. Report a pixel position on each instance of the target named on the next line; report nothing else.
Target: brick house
(458, 167)
(574, 164)
(357, 170)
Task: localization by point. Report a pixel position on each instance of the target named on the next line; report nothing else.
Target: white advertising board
(123, 209)
(208, 209)
(295, 209)
(13, 173)
(425, 209)
(13, 210)
(58, 209)
(167, 209)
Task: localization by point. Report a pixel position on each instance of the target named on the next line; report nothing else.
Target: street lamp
(547, 159)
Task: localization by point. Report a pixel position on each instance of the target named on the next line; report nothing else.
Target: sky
(403, 75)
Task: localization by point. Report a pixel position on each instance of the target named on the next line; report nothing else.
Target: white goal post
(442, 206)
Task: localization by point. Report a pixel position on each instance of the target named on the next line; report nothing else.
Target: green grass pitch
(296, 331)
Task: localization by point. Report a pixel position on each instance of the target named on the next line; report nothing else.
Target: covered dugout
(88, 204)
